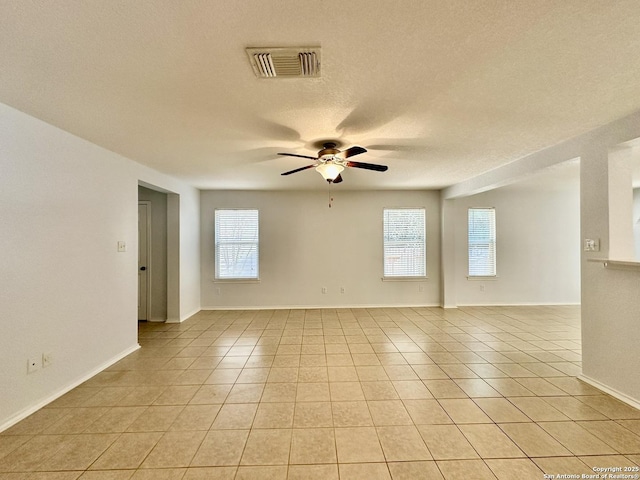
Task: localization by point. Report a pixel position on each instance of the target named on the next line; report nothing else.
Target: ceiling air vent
(285, 62)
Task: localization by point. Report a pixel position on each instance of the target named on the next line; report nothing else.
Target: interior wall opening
(624, 201)
(153, 255)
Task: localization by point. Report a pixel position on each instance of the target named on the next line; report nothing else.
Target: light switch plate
(591, 245)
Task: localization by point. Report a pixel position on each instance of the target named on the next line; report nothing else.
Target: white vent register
(285, 62)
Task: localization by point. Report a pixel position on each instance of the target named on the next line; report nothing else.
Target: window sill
(482, 278)
(404, 279)
(236, 280)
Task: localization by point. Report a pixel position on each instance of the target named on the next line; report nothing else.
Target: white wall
(64, 203)
(537, 246)
(636, 222)
(620, 200)
(189, 256)
(305, 245)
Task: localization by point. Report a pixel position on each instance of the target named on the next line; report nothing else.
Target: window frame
(490, 242)
(418, 276)
(254, 242)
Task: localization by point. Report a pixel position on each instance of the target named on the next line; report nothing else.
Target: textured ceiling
(438, 91)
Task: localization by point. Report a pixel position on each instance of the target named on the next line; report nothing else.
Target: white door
(144, 242)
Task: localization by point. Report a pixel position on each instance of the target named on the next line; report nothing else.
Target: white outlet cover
(47, 359)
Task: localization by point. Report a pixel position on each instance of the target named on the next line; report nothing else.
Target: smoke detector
(285, 62)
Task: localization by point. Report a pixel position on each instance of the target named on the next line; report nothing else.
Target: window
(236, 237)
(404, 242)
(482, 242)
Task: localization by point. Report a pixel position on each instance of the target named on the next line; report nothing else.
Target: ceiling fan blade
(298, 169)
(338, 179)
(368, 166)
(300, 156)
(350, 152)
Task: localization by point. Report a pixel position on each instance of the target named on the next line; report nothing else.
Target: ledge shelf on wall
(620, 264)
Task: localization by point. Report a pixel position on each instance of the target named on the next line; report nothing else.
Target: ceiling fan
(331, 161)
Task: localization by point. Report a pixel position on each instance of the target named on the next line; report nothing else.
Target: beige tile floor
(391, 393)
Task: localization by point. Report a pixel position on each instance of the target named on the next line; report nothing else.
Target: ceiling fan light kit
(330, 162)
(329, 170)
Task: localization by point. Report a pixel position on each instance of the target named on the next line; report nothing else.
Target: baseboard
(24, 413)
(182, 317)
(189, 315)
(623, 397)
(542, 304)
(314, 307)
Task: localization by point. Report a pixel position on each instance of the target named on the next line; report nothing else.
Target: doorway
(153, 278)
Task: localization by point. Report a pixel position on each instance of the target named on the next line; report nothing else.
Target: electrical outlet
(324, 289)
(218, 291)
(421, 288)
(33, 365)
(342, 290)
(47, 359)
(482, 288)
(122, 246)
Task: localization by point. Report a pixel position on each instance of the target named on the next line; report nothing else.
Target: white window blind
(482, 242)
(404, 242)
(236, 238)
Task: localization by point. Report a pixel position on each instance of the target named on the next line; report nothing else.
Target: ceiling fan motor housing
(329, 151)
